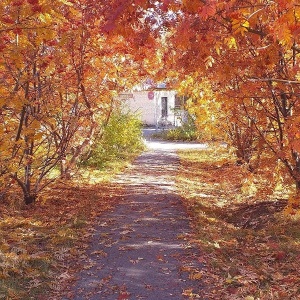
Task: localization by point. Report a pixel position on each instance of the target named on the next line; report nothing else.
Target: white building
(158, 107)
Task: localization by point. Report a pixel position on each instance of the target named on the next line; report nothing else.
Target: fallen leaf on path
(124, 296)
(195, 276)
(160, 257)
(135, 261)
(99, 253)
(189, 293)
(125, 232)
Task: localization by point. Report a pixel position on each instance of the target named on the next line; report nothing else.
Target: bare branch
(275, 80)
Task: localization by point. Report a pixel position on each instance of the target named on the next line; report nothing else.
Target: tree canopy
(239, 62)
(63, 64)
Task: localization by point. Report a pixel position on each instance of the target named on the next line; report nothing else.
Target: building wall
(145, 107)
(150, 109)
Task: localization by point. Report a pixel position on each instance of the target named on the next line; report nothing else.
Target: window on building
(180, 101)
(164, 107)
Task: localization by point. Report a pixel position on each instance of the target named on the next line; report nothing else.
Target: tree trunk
(64, 171)
(29, 198)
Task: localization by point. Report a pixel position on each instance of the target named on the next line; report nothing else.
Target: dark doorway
(164, 107)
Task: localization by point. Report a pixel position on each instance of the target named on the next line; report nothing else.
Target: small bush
(182, 134)
(122, 138)
(186, 132)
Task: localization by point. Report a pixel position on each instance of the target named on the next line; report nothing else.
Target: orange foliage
(62, 66)
(249, 52)
(64, 63)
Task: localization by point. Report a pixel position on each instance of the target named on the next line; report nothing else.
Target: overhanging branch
(275, 80)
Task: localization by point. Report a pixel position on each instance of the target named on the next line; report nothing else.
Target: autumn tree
(249, 51)
(27, 99)
(62, 66)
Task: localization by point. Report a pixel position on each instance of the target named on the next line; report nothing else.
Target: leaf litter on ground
(250, 245)
(40, 244)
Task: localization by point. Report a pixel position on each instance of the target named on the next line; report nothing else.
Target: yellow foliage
(248, 186)
(240, 26)
(66, 2)
(293, 207)
(231, 42)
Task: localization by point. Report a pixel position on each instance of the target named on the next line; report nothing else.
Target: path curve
(140, 249)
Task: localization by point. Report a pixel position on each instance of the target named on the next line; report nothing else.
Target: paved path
(140, 249)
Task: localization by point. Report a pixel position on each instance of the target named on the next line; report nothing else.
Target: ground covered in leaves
(249, 238)
(40, 244)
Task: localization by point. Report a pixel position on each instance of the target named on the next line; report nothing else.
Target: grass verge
(250, 245)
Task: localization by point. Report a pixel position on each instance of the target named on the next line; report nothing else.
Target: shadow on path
(140, 249)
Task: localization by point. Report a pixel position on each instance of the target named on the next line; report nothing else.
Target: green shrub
(121, 139)
(179, 134)
(186, 132)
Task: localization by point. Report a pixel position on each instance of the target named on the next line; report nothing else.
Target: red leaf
(280, 255)
(33, 2)
(124, 296)
(7, 19)
(208, 11)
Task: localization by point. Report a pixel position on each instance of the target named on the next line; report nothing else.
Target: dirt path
(140, 249)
